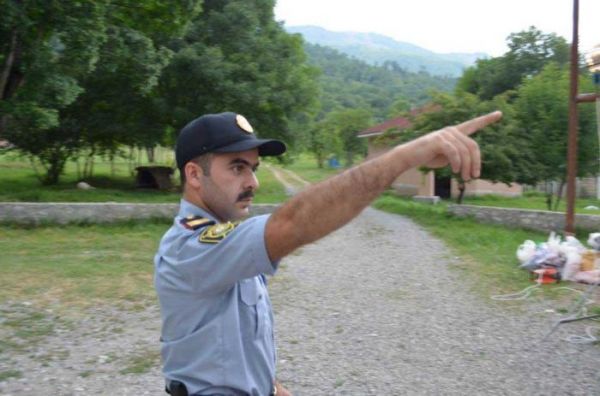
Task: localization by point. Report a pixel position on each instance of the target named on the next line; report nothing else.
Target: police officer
(217, 333)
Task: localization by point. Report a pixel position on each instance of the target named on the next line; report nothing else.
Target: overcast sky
(447, 25)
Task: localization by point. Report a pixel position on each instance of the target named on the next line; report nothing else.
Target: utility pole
(574, 99)
(573, 121)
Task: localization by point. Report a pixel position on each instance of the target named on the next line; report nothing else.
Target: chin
(241, 212)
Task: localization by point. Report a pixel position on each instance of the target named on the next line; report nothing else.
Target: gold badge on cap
(243, 123)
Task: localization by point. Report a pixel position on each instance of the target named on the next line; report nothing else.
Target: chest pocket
(254, 307)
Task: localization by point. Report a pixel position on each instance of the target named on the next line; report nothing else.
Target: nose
(252, 182)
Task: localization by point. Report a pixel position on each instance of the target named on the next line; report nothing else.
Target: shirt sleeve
(212, 267)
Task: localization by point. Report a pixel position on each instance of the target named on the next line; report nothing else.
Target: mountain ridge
(375, 48)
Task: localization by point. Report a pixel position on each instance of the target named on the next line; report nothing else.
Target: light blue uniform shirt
(217, 323)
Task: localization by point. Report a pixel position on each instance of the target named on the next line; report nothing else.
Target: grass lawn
(305, 165)
(79, 265)
(18, 182)
(535, 201)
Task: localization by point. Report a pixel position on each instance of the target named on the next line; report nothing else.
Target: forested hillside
(385, 90)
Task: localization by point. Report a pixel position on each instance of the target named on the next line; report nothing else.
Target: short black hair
(204, 161)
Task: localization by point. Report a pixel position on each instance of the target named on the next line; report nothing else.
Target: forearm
(322, 208)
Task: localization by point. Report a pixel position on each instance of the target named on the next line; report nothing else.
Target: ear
(193, 173)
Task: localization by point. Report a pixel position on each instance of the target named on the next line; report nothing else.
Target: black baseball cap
(221, 133)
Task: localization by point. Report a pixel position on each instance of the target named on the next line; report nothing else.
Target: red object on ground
(546, 275)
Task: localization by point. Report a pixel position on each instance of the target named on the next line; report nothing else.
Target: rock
(84, 186)
(591, 207)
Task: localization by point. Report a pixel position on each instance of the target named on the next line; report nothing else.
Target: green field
(532, 200)
(306, 167)
(113, 183)
(79, 265)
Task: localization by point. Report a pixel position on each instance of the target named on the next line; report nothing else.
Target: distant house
(416, 183)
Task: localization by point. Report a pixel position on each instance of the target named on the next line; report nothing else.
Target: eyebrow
(242, 161)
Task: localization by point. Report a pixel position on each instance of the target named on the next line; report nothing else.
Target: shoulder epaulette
(216, 233)
(195, 222)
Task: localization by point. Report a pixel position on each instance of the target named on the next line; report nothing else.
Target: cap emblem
(243, 123)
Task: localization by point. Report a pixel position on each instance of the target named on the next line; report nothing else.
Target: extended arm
(326, 206)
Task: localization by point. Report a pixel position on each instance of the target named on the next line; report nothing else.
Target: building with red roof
(426, 185)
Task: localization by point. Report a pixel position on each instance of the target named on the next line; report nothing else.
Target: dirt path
(290, 180)
(373, 309)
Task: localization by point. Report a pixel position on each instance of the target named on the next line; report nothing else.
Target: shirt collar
(187, 209)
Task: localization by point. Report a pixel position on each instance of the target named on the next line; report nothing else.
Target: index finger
(475, 124)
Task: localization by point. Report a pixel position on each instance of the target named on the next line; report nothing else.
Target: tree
(542, 111)
(323, 140)
(346, 124)
(236, 57)
(503, 148)
(46, 48)
(117, 107)
(72, 71)
(529, 51)
(399, 107)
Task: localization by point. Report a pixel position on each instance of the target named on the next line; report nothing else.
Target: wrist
(405, 156)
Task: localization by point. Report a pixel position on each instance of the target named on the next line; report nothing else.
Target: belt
(177, 388)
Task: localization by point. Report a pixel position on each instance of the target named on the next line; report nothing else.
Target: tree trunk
(10, 78)
(8, 64)
(78, 167)
(549, 200)
(55, 168)
(461, 192)
(130, 163)
(349, 158)
(112, 165)
(150, 153)
(320, 159)
(88, 167)
(559, 194)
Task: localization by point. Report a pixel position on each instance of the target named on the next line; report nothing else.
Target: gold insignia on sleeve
(243, 123)
(216, 233)
(194, 222)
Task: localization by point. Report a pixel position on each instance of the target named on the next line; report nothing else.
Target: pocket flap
(249, 291)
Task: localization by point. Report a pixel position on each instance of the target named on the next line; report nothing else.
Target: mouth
(246, 197)
(245, 202)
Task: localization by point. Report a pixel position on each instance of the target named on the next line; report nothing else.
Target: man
(217, 335)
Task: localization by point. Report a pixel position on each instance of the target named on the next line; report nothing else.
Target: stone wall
(532, 219)
(64, 213)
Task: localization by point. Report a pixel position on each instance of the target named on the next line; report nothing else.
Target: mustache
(245, 195)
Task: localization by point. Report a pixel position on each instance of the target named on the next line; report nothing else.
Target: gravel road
(373, 309)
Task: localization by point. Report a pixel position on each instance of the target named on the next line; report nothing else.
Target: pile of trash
(565, 260)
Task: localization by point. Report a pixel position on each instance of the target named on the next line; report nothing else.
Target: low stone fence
(63, 213)
(532, 219)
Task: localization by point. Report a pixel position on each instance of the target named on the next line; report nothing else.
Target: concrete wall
(585, 187)
(414, 182)
(532, 219)
(64, 213)
(410, 183)
(482, 187)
